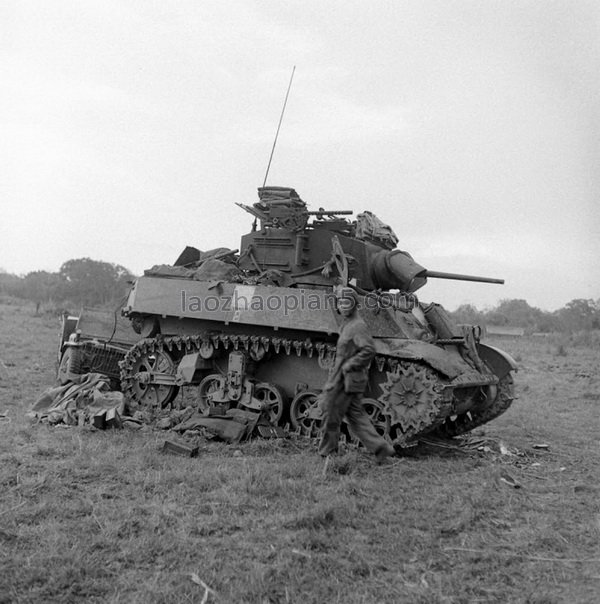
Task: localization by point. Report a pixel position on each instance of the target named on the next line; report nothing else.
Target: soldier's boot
(384, 452)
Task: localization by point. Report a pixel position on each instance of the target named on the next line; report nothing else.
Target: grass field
(106, 517)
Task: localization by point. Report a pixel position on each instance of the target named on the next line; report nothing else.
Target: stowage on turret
(256, 327)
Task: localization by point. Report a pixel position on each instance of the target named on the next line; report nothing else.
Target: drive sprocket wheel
(468, 421)
(413, 400)
(144, 360)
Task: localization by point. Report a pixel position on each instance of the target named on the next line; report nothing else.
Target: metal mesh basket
(102, 358)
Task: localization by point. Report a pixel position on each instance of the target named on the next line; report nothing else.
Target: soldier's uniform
(343, 392)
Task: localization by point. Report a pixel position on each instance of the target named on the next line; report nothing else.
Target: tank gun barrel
(459, 277)
(397, 270)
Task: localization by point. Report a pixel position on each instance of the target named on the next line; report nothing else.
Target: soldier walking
(343, 392)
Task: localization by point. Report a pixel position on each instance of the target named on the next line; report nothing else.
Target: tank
(256, 328)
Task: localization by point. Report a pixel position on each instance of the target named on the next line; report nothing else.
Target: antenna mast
(279, 125)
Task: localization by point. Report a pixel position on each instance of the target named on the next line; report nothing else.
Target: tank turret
(256, 328)
(362, 251)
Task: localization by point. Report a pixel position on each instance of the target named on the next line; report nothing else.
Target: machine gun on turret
(281, 207)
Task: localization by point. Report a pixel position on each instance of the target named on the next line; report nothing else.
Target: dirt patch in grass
(106, 517)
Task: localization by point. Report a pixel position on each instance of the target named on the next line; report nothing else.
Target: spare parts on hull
(256, 328)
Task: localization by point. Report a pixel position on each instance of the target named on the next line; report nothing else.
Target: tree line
(86, 282)
(79, 282)
(577, 315)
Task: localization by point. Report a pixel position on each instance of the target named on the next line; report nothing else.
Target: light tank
(256, 328)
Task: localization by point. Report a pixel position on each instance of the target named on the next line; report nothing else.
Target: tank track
(468, 421)
(414, 397)
(175, 346)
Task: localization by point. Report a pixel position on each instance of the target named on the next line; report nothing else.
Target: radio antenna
(279, 125)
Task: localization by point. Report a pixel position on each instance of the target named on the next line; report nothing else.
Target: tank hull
(269, 349)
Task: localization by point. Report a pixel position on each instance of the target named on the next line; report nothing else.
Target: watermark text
(289, 303)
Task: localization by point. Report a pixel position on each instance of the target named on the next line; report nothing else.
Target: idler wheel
(140, 387)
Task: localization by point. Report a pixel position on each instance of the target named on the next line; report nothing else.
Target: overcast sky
(129, 129)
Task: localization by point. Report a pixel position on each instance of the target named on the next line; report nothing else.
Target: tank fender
(451, 365)
(500, 362)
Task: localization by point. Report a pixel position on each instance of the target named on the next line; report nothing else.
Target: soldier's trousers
(337, 404)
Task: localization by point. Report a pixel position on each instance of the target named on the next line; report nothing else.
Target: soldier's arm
(365, 350)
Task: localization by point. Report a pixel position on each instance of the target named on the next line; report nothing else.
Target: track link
(473, 419)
